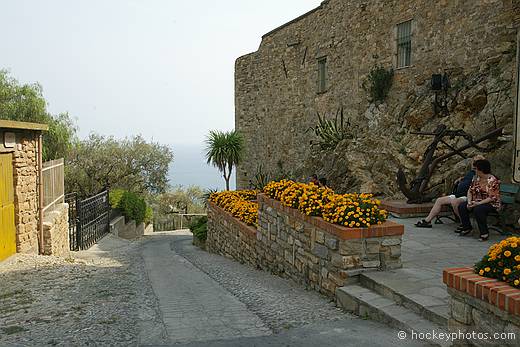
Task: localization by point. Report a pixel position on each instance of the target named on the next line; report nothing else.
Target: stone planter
(307, 249)
(483, 307)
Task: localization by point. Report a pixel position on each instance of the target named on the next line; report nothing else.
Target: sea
(189, 168)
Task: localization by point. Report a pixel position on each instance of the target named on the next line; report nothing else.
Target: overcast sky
(160, 68)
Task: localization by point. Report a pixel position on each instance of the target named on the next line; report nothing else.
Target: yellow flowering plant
(502, 262)
(239, 204)
(351, 210)
(354, 210)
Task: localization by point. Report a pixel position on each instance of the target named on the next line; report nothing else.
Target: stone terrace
(415, 296)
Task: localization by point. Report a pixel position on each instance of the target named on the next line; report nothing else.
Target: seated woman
(483, 198)
(458, 196)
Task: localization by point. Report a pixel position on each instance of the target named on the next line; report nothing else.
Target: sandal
(423, 224)
(466, 231)
(484, 237)
(459, 229)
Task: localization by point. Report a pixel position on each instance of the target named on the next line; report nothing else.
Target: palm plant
(224, 150)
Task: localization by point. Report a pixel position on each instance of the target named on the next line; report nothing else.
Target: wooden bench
(508, 194)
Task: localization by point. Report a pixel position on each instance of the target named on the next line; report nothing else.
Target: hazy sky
(156, 67)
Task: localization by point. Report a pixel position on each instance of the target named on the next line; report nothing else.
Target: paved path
(193, 306)
(425, 253)
(209, 300)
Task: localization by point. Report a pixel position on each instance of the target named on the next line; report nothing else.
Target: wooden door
(7, 228)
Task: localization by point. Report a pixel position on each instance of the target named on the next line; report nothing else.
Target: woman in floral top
(483, 198)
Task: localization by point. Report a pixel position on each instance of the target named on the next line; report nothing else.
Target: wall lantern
(440, 84)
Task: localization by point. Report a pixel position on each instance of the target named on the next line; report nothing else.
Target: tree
(131, 164)
(224, 150)
(180, 199)
(25, 103)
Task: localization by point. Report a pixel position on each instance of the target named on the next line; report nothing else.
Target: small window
(322, 75)
(404, 44)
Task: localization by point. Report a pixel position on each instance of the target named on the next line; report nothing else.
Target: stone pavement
(425, 253)
(209, 300)
(193, 306)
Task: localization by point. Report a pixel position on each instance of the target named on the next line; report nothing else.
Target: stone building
(319, 62)
(19, 187)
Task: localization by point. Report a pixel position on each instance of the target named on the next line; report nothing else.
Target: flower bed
(502, 262)
(350, 210)
(239, 204)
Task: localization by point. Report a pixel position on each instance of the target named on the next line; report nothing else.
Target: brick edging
(489, 290)
(250, 230)
(388, 228)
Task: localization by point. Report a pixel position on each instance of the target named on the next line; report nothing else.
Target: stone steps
(370, 304)
(424, 297)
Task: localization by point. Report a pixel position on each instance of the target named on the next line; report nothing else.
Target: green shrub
(114, 197)
(133, 207)
(378, 83)
(148, 217)
(199, 228)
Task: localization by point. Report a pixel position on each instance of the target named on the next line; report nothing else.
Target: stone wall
(276, 95)
(25, 175)
(482, 307)
(306, 249)
(230, 237)
(56, 231)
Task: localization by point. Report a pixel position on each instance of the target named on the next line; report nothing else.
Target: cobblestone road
(94, 299)
(163, 291)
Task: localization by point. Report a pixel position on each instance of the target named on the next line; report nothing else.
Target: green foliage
(180, 199)
(224, 150)
(114, 197)
(331, 131)
(131, 164)
(25, 103)
(378, 83)
(206, 195)
(261, 178)
(199, 228)
(148, 216)
(133, 207)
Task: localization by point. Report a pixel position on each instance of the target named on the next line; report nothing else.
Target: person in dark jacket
(458, 197)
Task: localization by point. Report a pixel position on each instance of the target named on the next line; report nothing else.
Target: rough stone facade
(230, 237)
(25, 175)
(56, 231)
(276, 93)
(482, 305)
(306, 249)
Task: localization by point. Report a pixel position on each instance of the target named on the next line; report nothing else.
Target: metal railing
(175, 221)
(53, 176)
(89, 220)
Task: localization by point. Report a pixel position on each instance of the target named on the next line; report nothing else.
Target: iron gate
(89, 219)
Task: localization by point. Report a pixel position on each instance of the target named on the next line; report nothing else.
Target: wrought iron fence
(72, 200)
(89, 220)
(175, 221)
(53, 184)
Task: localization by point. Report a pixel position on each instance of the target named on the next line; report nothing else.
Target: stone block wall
(231, 237)
(25, 173)
(56, 231)
(277, 98)
(306, 249)
(483, 311)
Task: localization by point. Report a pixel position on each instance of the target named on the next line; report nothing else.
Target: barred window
(322, 75)
(404, 44)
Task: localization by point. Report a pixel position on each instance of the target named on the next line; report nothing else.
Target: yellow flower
(517, 257)
(507, 271)
(481, 272)
(517, 282)
(514, 245)
(487, 269)
(507, 253)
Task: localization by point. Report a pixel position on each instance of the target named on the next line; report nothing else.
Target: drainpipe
(40, 191)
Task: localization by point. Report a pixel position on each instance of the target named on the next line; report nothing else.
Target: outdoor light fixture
(440, 85)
